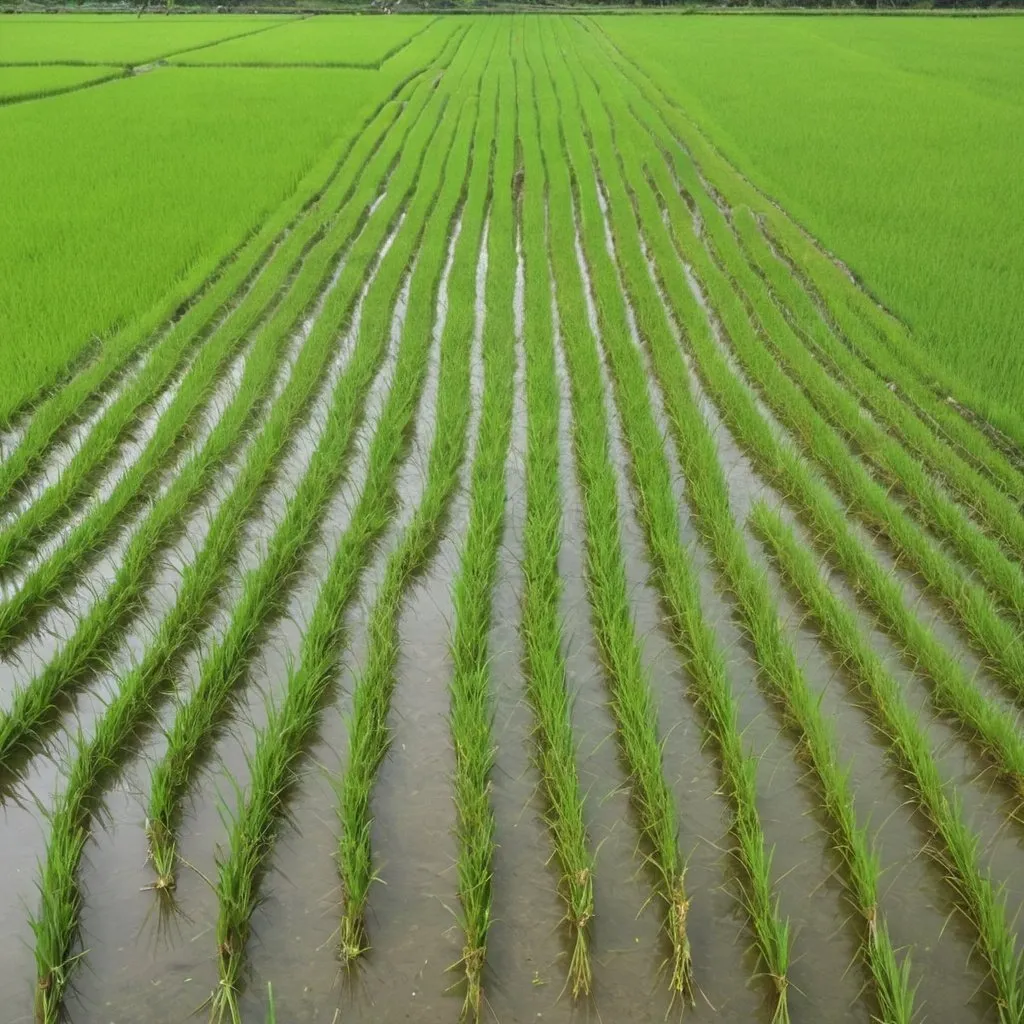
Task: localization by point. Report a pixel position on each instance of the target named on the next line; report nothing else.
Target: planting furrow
(953, 692)
(96, 633)
(656, 505)
(958, 855)
(998, 513)
(185, 318)
(632, 698)
(547, 683)
(266, 587)
(292, 722)
(872, 333)
(471, 688)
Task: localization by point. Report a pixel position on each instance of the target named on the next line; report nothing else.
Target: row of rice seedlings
(807, 415)
(266, 588)
(44, 584)
(996, 511)
(190, 309)
(674, 576)
(755, 605)
(953, 692)
(369, 734)
(281, 743)
(56, 926)
(632, 700)
(974, 609)
(982, 902)
(872, 332)
(96, 634)
(238, 313)
(543, 643)
(471, 707)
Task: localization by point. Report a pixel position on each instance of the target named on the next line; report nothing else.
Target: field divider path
(542, 633)
(958, 856)
(96, 634)
(632, 700)
(871, 331)
(56, 927)
(266, 588)
(281, 743)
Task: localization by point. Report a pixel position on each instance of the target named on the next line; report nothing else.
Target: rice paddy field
(486, 534)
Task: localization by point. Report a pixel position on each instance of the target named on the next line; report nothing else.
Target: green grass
(869, 136)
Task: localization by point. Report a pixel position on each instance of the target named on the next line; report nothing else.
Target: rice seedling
(542, 637)
(470, 715)
(958, 854)
(95, 760)
(368, 729)
(279, 746)
(674, 575)
(781, 465)
(266, 588)
(632, 701)
(755, 605)
(96, 634)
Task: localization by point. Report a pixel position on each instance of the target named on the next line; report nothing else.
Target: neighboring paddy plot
(340, 40)
(104, 39)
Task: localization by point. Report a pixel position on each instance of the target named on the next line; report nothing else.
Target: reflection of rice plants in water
(210, 546)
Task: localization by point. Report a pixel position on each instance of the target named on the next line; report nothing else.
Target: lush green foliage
(896, 141)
